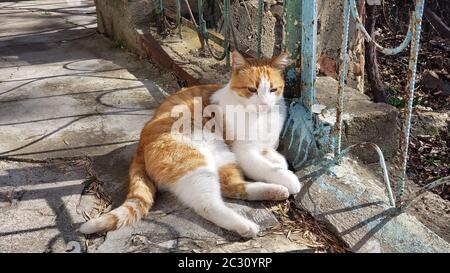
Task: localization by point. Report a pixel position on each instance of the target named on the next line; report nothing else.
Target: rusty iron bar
(342, 76)
(157, 53)
(415, 28)
(161, 19)
(409, 96)
(335, 160)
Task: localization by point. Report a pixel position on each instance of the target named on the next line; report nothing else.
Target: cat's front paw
(248, 229)
(289, 180)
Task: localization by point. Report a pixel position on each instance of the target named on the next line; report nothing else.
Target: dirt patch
(428, 156)
(429, 160)
(434, 54)
(299, 226)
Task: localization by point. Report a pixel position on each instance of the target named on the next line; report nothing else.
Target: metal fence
(303, 39)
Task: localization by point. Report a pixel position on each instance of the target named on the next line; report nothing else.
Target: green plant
(396, 101)
(119, 44)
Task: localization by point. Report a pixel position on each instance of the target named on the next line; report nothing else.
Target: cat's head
(258, 82)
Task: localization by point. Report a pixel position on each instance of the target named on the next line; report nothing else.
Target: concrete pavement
(72, 104)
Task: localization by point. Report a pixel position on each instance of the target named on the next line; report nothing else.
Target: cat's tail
(141, 193)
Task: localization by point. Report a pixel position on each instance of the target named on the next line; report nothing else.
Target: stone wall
(118, 18)
(328, 38)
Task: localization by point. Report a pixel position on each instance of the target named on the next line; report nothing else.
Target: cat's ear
(239, 61)
(280, 62)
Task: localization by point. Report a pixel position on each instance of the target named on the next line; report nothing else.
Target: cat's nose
(263, 106)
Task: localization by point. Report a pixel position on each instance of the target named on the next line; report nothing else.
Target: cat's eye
(252, 89)
(273, 90)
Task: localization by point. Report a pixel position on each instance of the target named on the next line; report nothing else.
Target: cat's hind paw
(266, 191)
(277, 193)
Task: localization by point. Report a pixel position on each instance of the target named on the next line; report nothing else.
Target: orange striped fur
(164, 161)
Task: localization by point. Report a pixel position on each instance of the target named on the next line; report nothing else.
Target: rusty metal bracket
(161, 58)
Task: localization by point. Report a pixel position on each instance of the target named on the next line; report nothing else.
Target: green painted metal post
(292, 19)
(161, 20)
(308, 52)
(226, 19)
(202, 30)
(301, 42)
(178, 18)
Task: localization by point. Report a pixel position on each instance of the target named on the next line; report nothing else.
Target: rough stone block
(364, 121)
(354, 203)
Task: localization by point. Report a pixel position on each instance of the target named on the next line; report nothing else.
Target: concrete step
(353, 201)
(88, 98)
(364, 121)
(351, 197)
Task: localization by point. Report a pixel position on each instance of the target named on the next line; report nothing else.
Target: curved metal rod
(382, 164)
(217, 57)
(188, 6)
(439, 182)
(248, 16)
(169, 25)
(387, 51)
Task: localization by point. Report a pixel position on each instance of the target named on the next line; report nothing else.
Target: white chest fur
(244, 124)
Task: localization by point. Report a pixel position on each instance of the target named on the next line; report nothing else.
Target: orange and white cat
(200, 169)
